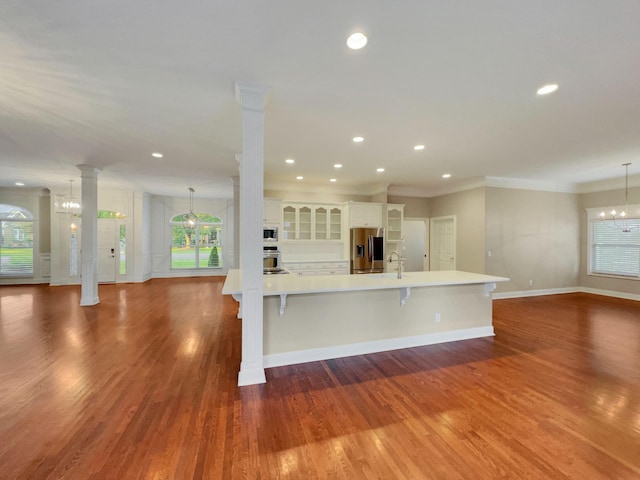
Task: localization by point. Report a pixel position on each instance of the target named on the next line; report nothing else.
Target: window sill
(617, 277)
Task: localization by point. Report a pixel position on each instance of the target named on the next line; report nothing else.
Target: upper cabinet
(365, 214)
(395, 216)
(311, 222)
(336, 215)
(289, 222)
(271, 212)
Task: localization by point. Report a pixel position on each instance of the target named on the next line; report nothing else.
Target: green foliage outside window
(197, 247)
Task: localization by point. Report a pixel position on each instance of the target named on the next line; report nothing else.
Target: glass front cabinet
(311, 222)
(395, 216)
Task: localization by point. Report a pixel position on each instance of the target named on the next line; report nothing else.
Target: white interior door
(107, 250)
(443, 243)
(414, 233)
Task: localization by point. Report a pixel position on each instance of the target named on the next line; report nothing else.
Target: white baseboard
(536, 293)
(558, 291)
(326, 353)
(611, 293)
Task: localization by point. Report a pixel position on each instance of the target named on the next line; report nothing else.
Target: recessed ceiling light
(337, 165)
(356, 40)
(419, 147)
(333, 180)
(157, 155)
(299, 177)
(290, 161)
(379, 170)
(19, 184)
(547, 89)
(446, 175)
(358, 139)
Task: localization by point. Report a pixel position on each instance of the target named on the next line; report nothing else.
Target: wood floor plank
(143, 386)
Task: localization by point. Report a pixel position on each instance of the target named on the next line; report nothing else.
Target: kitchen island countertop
(297, 284)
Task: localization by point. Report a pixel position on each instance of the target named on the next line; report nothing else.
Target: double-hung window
(614, 247)
(16, 241)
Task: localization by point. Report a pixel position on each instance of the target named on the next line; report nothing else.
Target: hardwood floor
(143, 386)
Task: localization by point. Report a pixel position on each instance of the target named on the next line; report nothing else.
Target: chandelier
(620, 219)
(190, 220)
(70, 204)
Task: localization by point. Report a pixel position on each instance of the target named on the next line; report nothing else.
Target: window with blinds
(614, 252)
(16, 241)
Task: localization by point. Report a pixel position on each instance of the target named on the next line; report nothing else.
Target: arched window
(199, 246)
(16, 241)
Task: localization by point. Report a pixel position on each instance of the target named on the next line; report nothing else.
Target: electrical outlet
(531, 283)
(489, 253)
(437, 318)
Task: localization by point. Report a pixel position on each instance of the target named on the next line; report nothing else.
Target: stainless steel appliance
(271, 260)
(270, 234)
(367, 250)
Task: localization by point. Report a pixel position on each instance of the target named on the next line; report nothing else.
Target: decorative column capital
(88, 170)
(252, 96)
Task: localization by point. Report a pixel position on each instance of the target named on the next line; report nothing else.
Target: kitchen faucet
(400, 260)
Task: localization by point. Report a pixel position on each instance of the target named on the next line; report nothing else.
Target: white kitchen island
(310, 318)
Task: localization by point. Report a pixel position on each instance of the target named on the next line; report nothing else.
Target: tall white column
(253, 99)
(89, 243)
(236, 218)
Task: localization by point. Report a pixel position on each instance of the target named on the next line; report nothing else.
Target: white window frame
(593, 216)
(11, 222)
(197, 246)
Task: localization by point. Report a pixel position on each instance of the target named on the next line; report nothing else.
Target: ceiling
(108, 83)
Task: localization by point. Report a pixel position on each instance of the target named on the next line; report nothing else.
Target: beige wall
(601, 200)
(532, 236)
(414, 207)
(469, 208)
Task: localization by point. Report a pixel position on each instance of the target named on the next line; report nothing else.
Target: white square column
(253, 99)
(89, 242)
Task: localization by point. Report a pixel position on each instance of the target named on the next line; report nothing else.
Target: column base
(251, 377)
(87, 302)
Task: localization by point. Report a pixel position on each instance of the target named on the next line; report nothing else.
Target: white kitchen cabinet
(363, 214)
(305, 224)
(311, 222)
(321, 222)
(395, 216)
(328, 222)
(272, 211)
(336, 215)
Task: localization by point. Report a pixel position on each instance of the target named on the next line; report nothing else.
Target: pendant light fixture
(69, 203)
(190, 220)
(620, 219)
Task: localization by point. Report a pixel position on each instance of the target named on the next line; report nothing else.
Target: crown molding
(449, 188)
(368, 190)
(526, 184)
(436, 192)
(608, 184)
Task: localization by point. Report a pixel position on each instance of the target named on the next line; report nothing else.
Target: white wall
(162, 209)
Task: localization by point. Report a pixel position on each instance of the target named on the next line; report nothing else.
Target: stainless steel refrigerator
(367, 250)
